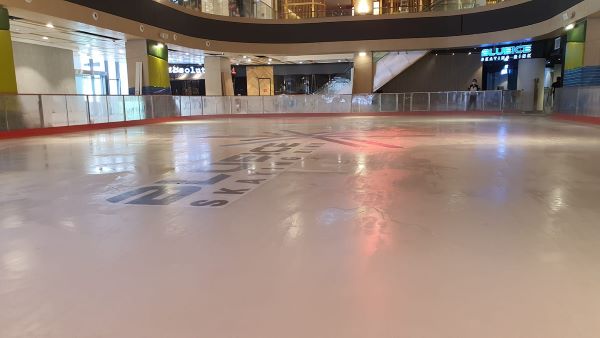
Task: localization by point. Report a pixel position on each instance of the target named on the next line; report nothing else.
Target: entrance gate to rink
(18, 112)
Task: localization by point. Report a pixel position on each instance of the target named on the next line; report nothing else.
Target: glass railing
(289, 10)
(241, 8)
(19, 112)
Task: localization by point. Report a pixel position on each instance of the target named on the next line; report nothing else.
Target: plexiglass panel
(20, 112)
(419, 102)
(98, 109)
(135, 108)
(77, 110)
(55, 110)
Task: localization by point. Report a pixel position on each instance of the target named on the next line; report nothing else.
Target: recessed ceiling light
(339, 60)
(49, 25)
(270, 59)
(245, 56)
(362, 54)
(570, 26)
(300, 62)
(45, 38)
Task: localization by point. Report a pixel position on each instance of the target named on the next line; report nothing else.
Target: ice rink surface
(356, 227)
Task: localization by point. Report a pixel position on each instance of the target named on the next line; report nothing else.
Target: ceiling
(96, 42)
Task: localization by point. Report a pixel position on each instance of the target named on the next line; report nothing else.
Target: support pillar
(8, 79)
(531, 81)
(154, 58)
(218, 76)
(362, 73)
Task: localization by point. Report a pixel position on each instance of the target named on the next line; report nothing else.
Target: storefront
(289, 79)
(187, 79)
(529, 67)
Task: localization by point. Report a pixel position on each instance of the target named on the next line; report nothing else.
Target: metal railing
(581, 101)
(260, 10)
(19, 112)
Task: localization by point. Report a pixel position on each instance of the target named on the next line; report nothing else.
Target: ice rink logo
(222, 182)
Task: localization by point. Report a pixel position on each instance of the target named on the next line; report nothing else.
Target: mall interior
(300, 168)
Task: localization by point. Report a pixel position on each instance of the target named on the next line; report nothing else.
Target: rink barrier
(44, 114)
(577, 101)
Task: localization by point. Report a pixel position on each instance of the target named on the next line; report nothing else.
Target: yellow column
(8, 79)
(362, 73)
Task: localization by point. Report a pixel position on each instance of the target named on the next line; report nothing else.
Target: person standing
(557, 84)
(473, 89)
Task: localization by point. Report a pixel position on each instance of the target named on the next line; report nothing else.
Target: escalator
(388, 65)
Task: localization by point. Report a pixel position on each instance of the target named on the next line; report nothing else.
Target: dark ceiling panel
(155, 14)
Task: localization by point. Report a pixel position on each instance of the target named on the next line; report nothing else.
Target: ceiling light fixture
(570, 26)
(45, 37)
(362, 54)
(49, 25)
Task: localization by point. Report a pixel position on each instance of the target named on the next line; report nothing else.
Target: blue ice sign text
(506, 53)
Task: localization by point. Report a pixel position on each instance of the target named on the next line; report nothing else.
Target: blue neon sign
(506, 53)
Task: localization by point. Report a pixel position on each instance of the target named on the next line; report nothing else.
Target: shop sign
(186, 69)
(506, 53)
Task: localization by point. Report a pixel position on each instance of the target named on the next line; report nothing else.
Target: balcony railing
(260, 10)
(18, 112)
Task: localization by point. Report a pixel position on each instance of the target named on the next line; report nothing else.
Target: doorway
(264, 87)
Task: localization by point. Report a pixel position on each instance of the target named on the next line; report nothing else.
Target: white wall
(44, 70)
(529, 70)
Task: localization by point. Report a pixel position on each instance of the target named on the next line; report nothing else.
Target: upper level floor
(410, 25)
(310, 9)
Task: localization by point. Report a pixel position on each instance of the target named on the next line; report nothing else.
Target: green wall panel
(158, 70)
(4, 19)
(157, 49)
(577, 34)
(8, 79)
(574, 55)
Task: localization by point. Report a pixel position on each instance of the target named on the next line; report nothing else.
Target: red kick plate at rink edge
(99, 126)
(579, 119)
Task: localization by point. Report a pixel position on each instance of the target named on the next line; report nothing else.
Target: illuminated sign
(186, 69)
(506, 53)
